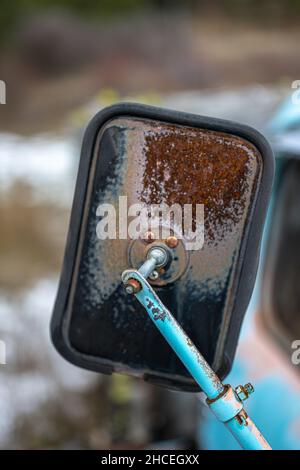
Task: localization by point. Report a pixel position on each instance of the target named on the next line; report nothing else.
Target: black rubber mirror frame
(59, 323)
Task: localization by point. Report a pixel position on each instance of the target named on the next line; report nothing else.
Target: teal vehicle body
(261, 358)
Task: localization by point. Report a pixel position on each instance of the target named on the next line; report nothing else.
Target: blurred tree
(13, 11)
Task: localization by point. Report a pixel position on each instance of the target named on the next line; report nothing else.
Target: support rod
(222, 399)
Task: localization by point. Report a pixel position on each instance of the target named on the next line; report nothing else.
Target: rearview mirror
(197, 185)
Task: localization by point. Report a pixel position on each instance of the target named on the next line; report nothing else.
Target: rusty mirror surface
(137, 156)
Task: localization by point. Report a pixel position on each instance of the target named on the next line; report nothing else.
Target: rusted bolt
(243, 391)
(148, 237)
(249, 387)
(132, 286)
(172, 242)
(242, 418)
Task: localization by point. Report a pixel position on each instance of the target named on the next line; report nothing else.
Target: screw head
(154, 275)
(148, 237)
(172, 241)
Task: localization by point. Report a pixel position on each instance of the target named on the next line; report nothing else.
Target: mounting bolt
(172, 242)
(154, 275)
(148, 237)
(132, 286)
(129, 289)
(243, 391)
(160, 254)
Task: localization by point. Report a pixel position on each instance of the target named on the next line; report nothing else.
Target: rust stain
(158, 314)
(159, 162)
(256, 432)
(242, 418)
(193, 166)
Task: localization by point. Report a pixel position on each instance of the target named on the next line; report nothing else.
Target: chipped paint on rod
(240, 425)
(247, 434)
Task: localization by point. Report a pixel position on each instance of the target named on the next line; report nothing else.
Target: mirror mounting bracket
(223, 400)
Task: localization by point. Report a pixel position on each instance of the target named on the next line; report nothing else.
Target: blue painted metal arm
(222, 399)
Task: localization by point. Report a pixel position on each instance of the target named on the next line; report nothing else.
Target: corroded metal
(246, 433)
(132, 286)
(148, 237)
(244, 391)
(227, 405)
(152, 162)
(168, 163)
(189, 166)
(172, 241)
(138, 252)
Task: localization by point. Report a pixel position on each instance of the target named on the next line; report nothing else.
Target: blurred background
(62, 61)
